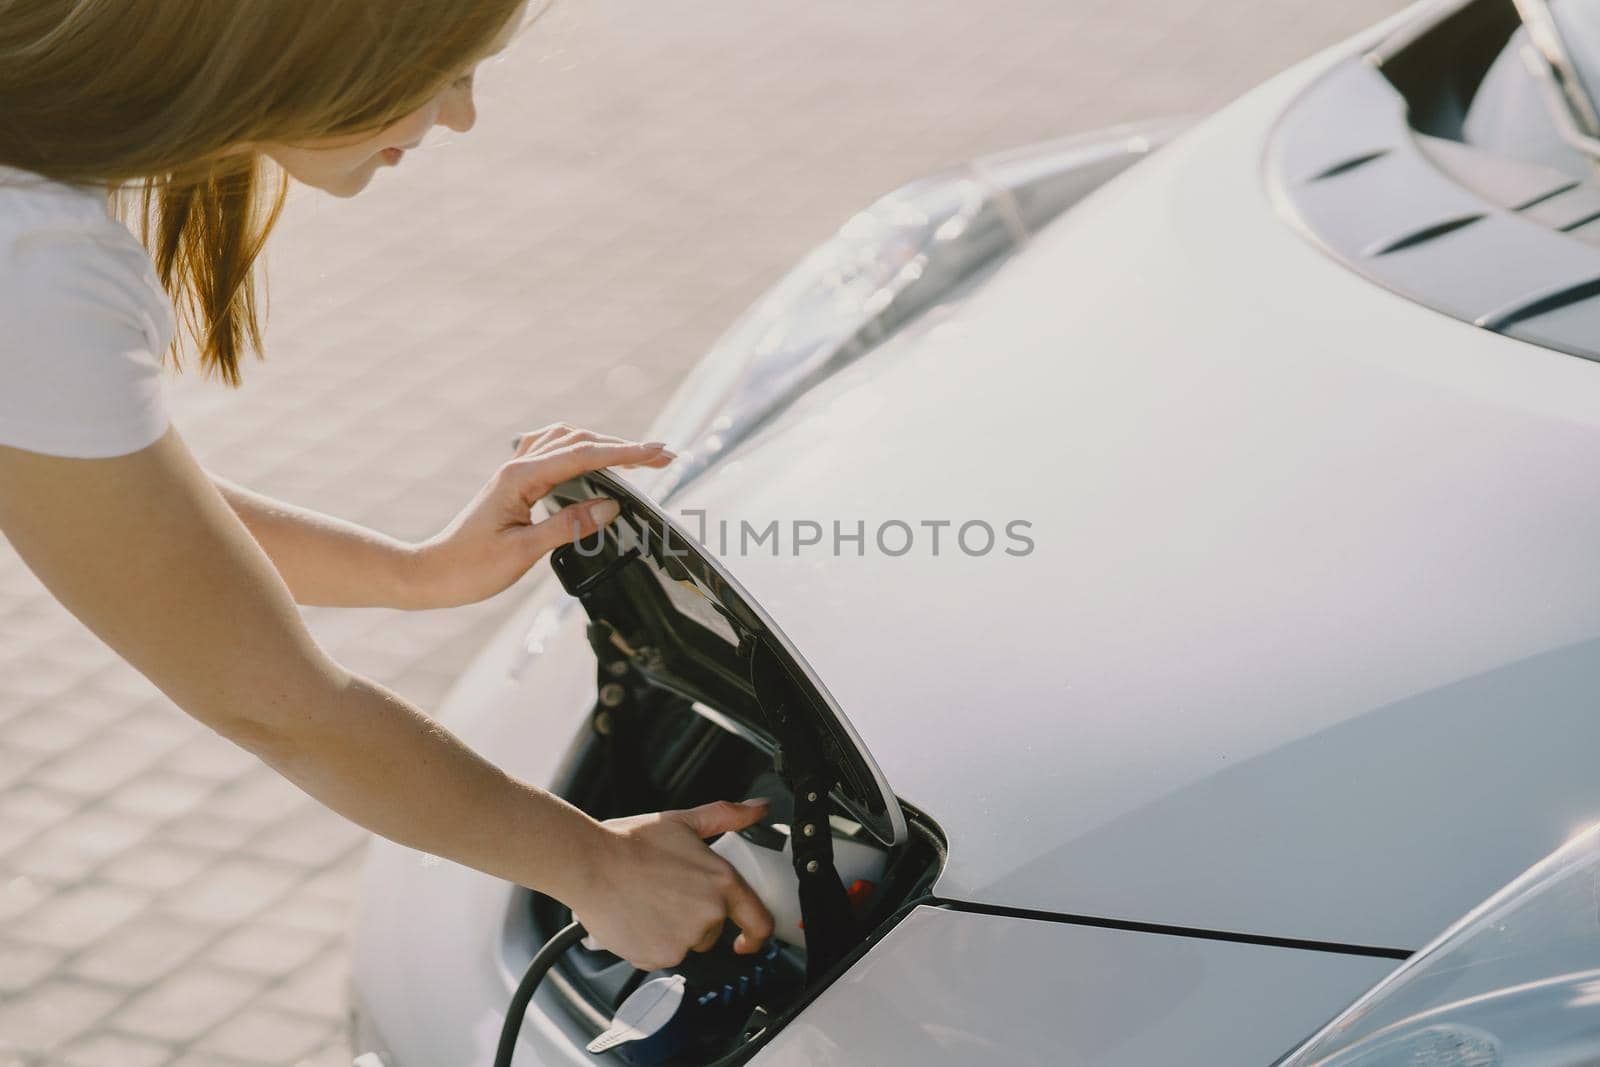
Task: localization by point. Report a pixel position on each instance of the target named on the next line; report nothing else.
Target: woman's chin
(344, 186)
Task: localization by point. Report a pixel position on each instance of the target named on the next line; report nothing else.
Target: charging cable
(543, 960)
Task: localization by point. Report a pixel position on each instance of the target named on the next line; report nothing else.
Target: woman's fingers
(527, 442)
(665, 457)
(540, 442)
(537, 473)
(722, 816)
(744, 907)
(570, 524)
(559, 434)
(709, 940)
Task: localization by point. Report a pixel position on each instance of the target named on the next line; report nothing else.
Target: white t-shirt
(83, 324)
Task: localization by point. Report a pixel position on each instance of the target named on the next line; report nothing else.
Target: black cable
(543, 960)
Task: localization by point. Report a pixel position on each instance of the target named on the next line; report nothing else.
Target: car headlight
(1514, 984)
(886, 265)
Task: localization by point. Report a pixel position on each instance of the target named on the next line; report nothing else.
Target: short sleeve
(83, 324)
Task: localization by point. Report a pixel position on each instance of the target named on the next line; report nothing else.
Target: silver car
(1157, 577)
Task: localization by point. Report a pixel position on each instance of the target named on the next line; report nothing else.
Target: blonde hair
(156, 96)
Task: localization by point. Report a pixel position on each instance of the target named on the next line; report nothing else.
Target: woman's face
(344, 165)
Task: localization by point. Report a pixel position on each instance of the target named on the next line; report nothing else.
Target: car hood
(1306, 641)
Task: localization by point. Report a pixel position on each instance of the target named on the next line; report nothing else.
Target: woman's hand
(494, 540)
(655, 892)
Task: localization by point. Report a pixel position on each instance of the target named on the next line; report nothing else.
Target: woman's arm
(145, 551)
(493, 541)
(325, 561)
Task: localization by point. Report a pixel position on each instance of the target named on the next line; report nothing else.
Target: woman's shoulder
(37, 213)
(59, 240)
(31, 201)
(86, 322)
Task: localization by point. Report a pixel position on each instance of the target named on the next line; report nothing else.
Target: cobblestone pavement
(641, 171)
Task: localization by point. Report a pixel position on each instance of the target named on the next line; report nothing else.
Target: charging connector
(546, 958)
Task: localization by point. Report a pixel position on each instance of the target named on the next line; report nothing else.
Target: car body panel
(1315, 596)
(951, 989)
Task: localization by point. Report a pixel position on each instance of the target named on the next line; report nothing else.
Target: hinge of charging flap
(825, 909)
(824, 905)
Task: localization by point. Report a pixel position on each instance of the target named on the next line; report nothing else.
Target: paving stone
(262, 796)
(37, 807)
(314, 838)
(338, 884)
(161, 795)
(10, 709)
(56, 860)
(267, 1036)
(93, 701)
(315, 914)
(48, 730)
(78, 844)
(209, 1059)
(232, 891)
(77, 917)
(158, 866)
(267, 949)
(50, 1014)
(21, 966)
(141, 950)
(44, 677)
(116, 1050)
(19, 893)
(104, 762)
(186, 1004)
(15, 831)
(212, 756)
(15, 763)
(321, 988)
(161, 721)
(334, 1054)
(118, 679)
(201, 830)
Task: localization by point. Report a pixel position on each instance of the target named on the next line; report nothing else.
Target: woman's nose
(457, 110)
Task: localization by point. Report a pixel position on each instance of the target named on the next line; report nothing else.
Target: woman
(190, 104)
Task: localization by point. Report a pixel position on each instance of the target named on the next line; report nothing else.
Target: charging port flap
(661, 602)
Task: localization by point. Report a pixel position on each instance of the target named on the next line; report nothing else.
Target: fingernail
(603, 511)
(756, 800)
(655, 444)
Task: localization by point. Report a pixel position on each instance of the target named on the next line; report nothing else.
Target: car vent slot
(1422, 236)
(1567, 210)
(1581, 224)
(1542, 197)
(1349, 165)
(1539, 304)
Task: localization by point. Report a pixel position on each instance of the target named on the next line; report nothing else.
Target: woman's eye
(464, 82)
